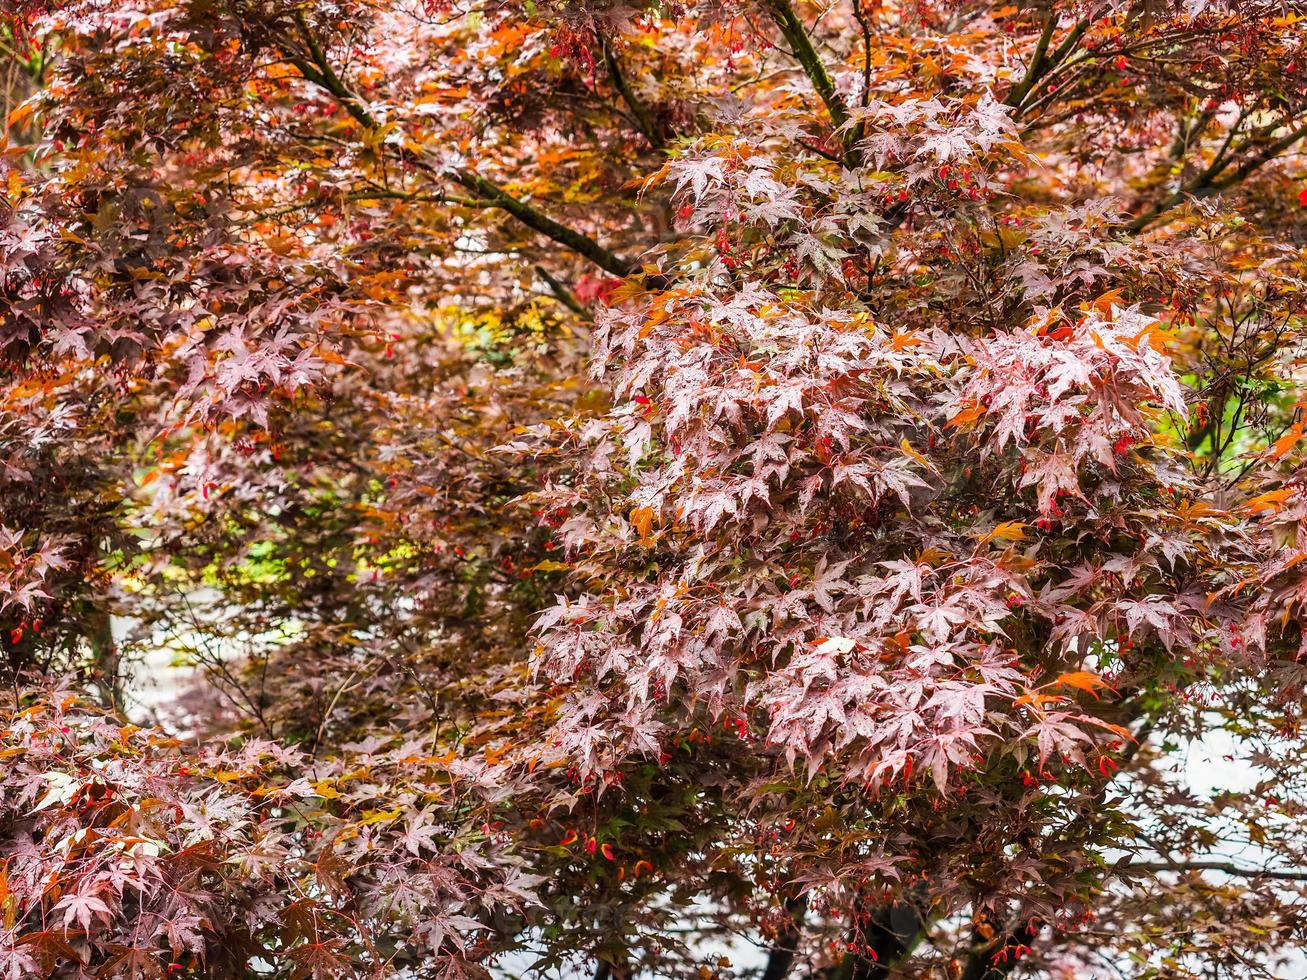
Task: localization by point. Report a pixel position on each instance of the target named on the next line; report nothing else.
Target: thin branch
(644, 122)
(562, 293)
(1053, 66)
(864, 23)
(326, 715)
(1225, 867)
(1058, 59)
(825, 154)
(320, 72)
(281, 212)
(1210, 180)
(539, 221)
(987, 961)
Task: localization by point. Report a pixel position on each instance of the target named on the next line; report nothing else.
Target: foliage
(127, 852)
(633, 475)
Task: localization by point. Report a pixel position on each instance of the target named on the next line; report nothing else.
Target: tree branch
(781, 958)
(547, 226)
(891, 933)
(320, 72)
(562, 293)
(1210, 180)
(864, 23)
(797, 36)
(982, 963)
(1225, 867)
(648, 128)
(1037, 64)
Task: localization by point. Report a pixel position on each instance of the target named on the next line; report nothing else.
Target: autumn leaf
(1282, 446)
(967, 415)
(1006, 531)
(642, 520)
(1272, 501)
(82, 908)
(1083, 680)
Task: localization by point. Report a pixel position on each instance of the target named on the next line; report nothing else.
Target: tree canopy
(643, 480)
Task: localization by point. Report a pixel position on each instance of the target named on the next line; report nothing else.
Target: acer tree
(728, 489)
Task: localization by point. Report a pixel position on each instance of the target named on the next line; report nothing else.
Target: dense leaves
(636, 484)
(124, 852)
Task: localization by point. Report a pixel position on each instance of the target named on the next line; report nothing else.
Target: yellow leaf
(1103, 304)
(376, 137)
(913, 454)
(1084, 680)
(21, 114)
(642, 521)
(932, 556)
(1007, 531)
(549, 565)
(968, 415)
(1271, 501)
(1043, 324)
(1039, 700)
(1287, 441)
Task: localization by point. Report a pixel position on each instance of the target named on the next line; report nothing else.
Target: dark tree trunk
(981, 964)
(781, 958)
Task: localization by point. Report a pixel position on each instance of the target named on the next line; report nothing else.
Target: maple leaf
(805, 353)
(318, 960)
(1083, 680)
(82, 908)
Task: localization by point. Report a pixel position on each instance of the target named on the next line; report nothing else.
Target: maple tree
(638, 481)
